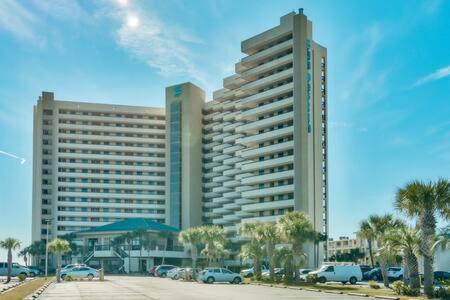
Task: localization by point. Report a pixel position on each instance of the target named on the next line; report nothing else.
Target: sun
(132, 21)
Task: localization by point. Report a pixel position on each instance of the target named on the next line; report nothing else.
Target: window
(330, 269)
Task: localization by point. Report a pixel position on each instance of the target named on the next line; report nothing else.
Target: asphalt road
(137, 288)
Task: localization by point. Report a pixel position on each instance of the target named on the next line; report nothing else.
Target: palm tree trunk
(271, 261)
(413, 267)
(58, 270)
(194, 261)
(257, 267)
(369, 242)
(428, 230)
(8, 279)
(165, 249)
(406, 270)
(383, 266)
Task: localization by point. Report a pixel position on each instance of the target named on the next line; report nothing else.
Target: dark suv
(161, 271)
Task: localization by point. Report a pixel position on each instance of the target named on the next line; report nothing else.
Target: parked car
(80, 272)
(278, 272)
(365, 270)
(251, 271)
(175, 273)
(161, 271)
(441, 275)
(187, 273)
(68, 267)
(395, 273)
(211, 275)
(342, 273)
(152, 271)
(36, 270)
(374, 274)
(16, 270)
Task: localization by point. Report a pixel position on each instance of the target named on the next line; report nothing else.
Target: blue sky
(389, 83)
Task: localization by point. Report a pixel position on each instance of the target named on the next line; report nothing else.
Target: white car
(341, 273)
(211, 275)
(80, 272)
(251, 271)
(395, 273)
(175, 273)
(68, 267)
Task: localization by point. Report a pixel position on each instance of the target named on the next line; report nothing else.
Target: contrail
(22, 160)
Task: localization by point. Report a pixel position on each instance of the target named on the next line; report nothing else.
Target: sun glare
(132, 21)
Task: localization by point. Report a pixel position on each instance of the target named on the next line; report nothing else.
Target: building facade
(344, 245)
(256, 151)
(94, 164)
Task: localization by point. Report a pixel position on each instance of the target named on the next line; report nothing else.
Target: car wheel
(237, 280)
(90, 276)
(353, 280)
(32, 274)
(322, 279)
(163, 275)
(24, 274)
(210, 280)
(175, 277)
(63, 276)
(374, 277)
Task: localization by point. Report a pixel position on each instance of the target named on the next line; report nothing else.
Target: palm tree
(270, 237)
(367, 232)
(59, 247)
(24, 253)
(192, 237)
(284, 257)
(74, 247)
(128, 237)
(381, 226)
(214, 238)
(10, 244)
(140, 234)
(425, 201)
(36, 249)
(165, 235)
(407, 241)
(296, 229)
(254, 249)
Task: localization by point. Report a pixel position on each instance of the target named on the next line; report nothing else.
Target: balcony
(268, 205)
(256, 152)
(269, 191)
(266, 136)
(252, 114)
(264, 123)
(271, 163)
(268, 177)
(254, 100)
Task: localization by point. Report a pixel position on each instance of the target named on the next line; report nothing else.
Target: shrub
(400, 288)
(311, 278)
(373, 285)
(68, 278)
(443, 290)
(22, 277)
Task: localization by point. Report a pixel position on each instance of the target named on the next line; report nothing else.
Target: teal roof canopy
(131, 225)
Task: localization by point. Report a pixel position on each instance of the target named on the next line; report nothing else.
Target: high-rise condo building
(94, 164)
(265, 132)
(255, 152)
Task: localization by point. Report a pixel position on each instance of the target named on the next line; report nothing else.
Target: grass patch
(341, 288)
(24, 290)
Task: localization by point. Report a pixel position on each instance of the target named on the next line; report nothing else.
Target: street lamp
(47, 221)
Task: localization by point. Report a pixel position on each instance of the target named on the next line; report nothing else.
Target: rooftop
(131, 225)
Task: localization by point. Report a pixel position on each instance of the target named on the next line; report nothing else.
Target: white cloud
(438, 74)
(22, 160)
(16, 19)
(159, 44)
(347, 125)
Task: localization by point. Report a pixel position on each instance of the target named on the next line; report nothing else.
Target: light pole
(47, 221)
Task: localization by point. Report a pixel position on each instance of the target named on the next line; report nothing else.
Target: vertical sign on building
(308, 84)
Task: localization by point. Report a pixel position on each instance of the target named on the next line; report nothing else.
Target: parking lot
(137, 288)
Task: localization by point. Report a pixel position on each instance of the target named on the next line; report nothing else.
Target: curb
(326, 291)
(10, 287)
(358, 294)
(39, 291)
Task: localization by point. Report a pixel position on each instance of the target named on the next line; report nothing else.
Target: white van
(341, 273)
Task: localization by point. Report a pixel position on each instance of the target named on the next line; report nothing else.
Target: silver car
(80, 272)
(211, 275)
